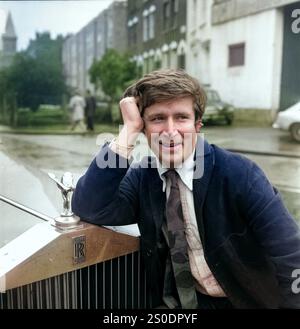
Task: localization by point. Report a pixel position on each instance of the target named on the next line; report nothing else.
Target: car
(289, 120)
(216, 109)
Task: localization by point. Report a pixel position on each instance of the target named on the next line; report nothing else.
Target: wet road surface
(26, 159)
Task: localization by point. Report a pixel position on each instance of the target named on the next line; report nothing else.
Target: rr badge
(79, 249)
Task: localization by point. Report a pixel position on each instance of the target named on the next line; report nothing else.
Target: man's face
(171, 130)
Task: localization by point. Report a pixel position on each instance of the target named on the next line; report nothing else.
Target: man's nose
(170, 126)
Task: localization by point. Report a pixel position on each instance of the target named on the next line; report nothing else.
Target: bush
(45, 116)
(103, 113)
(115, 113)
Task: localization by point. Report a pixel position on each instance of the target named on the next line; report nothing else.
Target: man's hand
(131, 115)
(133, 125)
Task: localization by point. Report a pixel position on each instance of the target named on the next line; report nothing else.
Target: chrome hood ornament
(67, 219)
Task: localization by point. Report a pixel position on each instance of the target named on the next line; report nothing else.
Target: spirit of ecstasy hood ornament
(67, 219)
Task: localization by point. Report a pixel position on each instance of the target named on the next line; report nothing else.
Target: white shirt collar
(186, 172)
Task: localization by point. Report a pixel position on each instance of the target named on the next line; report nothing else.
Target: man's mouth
(170, 145)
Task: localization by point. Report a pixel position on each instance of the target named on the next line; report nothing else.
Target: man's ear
(198, 125)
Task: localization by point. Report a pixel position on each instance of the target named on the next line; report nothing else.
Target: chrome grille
(119, 283)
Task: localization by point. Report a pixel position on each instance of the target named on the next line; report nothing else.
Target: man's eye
(182, 117)
(157, 119)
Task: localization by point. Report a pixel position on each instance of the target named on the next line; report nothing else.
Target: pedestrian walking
(77, 106)
(90, 109)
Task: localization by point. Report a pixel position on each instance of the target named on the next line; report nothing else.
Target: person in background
(90, 109)
(77, 106)
(214, 232)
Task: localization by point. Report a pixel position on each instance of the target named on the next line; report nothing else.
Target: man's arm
(276, 231)
(107, 194)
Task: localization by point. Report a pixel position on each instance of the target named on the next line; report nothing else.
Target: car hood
(287, 117)
(292, 109)
(293, 114)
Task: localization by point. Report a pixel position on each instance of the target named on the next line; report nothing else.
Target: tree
(112, 73)
(46, 48)
(49, 78)
(6, 96)
(36, 74)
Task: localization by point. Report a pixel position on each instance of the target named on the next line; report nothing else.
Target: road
(272, 150)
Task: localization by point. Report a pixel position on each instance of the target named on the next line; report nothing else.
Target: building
(156, 33)
(91, 43)
(247, 49)
(8, 38)
(198, 37)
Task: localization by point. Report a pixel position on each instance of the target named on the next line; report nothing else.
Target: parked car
(289, 120)
(216, 109)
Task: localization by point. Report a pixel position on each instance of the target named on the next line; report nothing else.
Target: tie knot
(172, 176)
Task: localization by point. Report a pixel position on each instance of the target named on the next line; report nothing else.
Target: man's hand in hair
(131, 115)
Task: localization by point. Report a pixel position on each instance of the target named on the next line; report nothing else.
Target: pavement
(4, 128)
(253, 139)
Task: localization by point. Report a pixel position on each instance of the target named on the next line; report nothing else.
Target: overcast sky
(58, 17)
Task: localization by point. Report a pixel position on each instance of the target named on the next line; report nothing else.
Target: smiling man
(222, 239)
(171, 130)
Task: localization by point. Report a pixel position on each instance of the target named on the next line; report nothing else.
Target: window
(145, 28)
(181, 61)
(203, 11)
(151, 26)
(176, 6)
(236, 55)
(194, 19)
(73, 50)
(174, 16)
(157, 64)
(166, 14)
(132, 30)
(132, 34)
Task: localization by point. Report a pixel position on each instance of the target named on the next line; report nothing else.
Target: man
(214, 232)
(90, 109)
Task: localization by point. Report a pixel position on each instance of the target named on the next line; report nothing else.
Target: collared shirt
(186, 172)
(204, 279)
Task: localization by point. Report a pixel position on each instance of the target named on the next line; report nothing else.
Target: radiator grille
(116, 284)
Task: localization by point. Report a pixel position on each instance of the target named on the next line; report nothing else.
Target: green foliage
(112, 73)
(43, 47)
(35, 76)
(46, 116)
(103, 114)
(116, 113)
(52, 115)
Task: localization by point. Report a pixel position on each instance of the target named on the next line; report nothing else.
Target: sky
(58, 17)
